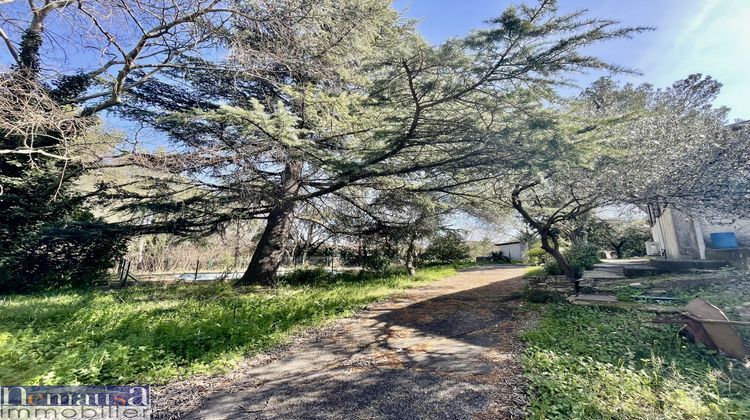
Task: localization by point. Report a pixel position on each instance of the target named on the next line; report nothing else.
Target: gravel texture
(449, 350)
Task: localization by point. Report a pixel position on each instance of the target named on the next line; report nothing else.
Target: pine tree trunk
(237, 251)
(411, 256)
(308, 243)
(270, 249)
(363, 253)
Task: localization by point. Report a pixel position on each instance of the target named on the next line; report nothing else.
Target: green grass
(589, 363)
(151, 334)
(535, 271)
(728, 289)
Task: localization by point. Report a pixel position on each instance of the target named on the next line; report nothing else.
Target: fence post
(197, 265)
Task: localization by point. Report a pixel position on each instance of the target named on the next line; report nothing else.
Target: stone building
(679, 236)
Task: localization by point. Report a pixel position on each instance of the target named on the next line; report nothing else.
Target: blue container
(723, 240)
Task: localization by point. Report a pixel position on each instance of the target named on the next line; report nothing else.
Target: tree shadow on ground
(451, 356)
(462, 315)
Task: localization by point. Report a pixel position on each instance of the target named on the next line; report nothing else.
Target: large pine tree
(333, 95)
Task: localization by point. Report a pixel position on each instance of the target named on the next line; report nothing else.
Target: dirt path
(448, 350)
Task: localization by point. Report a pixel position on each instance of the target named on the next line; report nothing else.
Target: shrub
(536, 255)
(378, 263)
(582, 257)
(447, 248)
(499, 257)
(76, 254)
(541, 296)
(551, 266)
(312, 276)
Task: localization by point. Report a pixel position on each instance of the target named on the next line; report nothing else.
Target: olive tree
(626, 237)
(624, 145)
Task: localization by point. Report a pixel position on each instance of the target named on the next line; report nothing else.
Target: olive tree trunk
(548, 237)
(551, 245)
(618, 248)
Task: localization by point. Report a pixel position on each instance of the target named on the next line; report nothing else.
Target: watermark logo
(75, 402)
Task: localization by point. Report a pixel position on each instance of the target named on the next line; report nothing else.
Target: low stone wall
(558, 284)
(739, 258)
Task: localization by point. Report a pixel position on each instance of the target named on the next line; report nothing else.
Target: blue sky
(693, 36)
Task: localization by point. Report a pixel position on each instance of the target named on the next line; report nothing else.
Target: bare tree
(119, 44)
(69, 61)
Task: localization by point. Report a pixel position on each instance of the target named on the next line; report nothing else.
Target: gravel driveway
(445, 351)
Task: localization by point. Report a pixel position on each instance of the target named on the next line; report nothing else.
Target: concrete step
(642, 271)
(622, 269)
(628, 261)
(601, 275)
(614, 268)
(592, 299)
(630, 268)
(676, 266)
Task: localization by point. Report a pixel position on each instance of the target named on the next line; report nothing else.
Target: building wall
(741, 229)
(665, 234)
(683, 237)
(687, 236)
(514, 251)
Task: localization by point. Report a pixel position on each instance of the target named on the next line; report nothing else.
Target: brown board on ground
(724, 336)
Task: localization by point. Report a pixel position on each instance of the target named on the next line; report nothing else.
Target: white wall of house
(664, 233)
(685, 237)
(514, 251)
(741, 229)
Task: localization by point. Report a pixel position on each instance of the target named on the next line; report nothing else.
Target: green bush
(75, 254)
(540, 257)
(499, 257)
(536, 255)
(551, 266)
(582, 257)
(541, 296)
(378, 263)
(447, 248)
